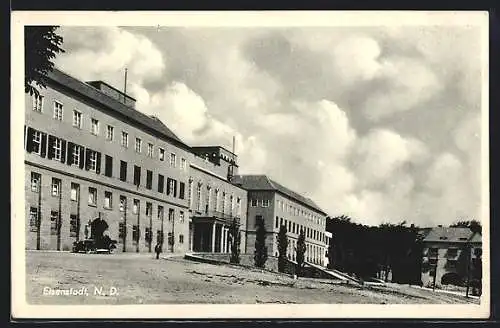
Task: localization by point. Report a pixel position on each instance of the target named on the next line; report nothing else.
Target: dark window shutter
(181, 190)
(29, 143)
(98, 163)
(82, 157)
(51, 141)
(71, 146)
(168, 186)
(63, 150)
(87, 159)
(43, 151)
(175, 188)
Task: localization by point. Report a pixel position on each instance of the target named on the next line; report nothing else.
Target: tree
(260, 255)
(41, 45)
(234, 232)
(282, 248)
(473, 225)
(301, 251)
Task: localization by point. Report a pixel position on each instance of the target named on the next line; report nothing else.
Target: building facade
(278, 205)
(214, 202)
(95, 165)
(445, 254)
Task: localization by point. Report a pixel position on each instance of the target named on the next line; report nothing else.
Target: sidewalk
(447, 292)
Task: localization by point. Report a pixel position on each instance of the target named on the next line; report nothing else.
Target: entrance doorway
(97, 229)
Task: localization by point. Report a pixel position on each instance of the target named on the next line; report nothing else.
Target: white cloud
(299, 127)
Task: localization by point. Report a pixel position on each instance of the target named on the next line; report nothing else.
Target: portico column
(222, 230)
(213, 237)
(226, 248)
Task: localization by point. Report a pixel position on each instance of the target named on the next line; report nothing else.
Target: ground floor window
(181, 239)
(33, 219)
(159, 236)
(147, 236)
(135, 233)
(73, 225)
(54, 215)
(122, 231)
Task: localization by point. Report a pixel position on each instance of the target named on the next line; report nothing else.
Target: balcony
(210, 215)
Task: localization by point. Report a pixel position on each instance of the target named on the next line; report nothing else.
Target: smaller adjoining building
(448, 253)
(277, 205)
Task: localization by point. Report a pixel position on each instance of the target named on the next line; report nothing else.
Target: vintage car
(90, 246)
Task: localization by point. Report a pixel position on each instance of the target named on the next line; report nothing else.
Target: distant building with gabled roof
(445, 254)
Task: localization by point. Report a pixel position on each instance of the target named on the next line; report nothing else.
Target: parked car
(104, 245)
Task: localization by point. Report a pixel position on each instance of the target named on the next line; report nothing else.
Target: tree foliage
(260, 255)
(473, 225)
(282, 248)
(301, 251)
(234, 232)
(368, 251)
(41, 45)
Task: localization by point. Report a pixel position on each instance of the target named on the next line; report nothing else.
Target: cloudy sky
(381, 124)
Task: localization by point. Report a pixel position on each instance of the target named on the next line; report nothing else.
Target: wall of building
(444, 262)
(44, 122)
(200, 174)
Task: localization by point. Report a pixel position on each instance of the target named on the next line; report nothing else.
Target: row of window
(295, 228)
(74, 230)
(215, 202)
(262, 202)
(289, 208)
(74, 154)
(58, 113)
(93, 197)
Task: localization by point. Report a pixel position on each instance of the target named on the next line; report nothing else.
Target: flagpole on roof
(125, 87)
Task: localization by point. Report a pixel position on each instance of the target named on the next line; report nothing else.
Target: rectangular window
(56, 187)
(123, 171)
(73, 225)
(238, 206)
(92, 160)
(58, 111)
(198, 197)
(76, 154)
(150, 150)
(54, 218)
(173, 160)
(148, 235)
(122, 231)
(37, 142)
(293, 227)
(170, 186)
(37, 103)
(183, 164)
(160, 212)
(181, 190)
(108, 169)
(33, 219)
(433, 252)
(253, 202)
(181, 216)
(110, 133)
(181, 239)
(123, 203)
(171, 214)
(124, 142)
(77, 119)
(190, 192)
(75, 190)
(35, 181)
(135, 233)
(94, 126)
(161, 183)
(149, 179)
(108, 199)
(223, 202)
(56, 148)
(138, 145)
(265, 203)
(149, 209)
(276, 222)
(137, 204)
(92, 196)
(161, 154)
(137, 175)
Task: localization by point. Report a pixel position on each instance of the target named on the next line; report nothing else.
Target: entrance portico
(210, 232)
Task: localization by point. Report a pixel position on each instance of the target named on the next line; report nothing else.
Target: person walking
(158, 250)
